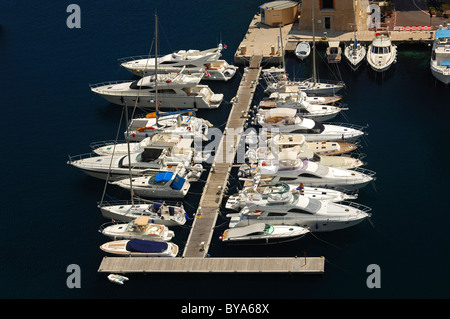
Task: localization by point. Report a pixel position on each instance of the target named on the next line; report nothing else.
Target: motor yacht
(140, 228)
(287, 121)
(158, 211)
(440, 55)
(175, 91)
(193, 61)
(382, 53)
(140, 248)
(261, 233)
(310, 213)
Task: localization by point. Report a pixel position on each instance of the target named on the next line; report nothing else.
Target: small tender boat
(381, 54)
(139, 228)
(302, 50)
(158, 211)
(140, 248)
(262, 233)
(334, 52)
(440, 55)
(117, 279)
(286, 120)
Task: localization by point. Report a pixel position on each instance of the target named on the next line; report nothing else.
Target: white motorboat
(175, 91)
(286, 120)
(292, 170)
(179, 123)
(277, 81)
(139, 228)
(302, 50)
(310, 213)
(322, 148)
(157, 185)
(271, 156)
(140, 248)
(382, 53)
(355, 54)
(265, 194)
(271, 101)
(262, 233)
(158, 211)
(318, 112)
(334, 52)
(440, 55)
(193, 61)
(160, 153)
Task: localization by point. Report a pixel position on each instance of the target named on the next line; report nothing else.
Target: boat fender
(188, 128)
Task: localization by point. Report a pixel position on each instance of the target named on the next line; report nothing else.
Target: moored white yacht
(293, 170)
(382, 53)
(440, 55)
(271, 156)
(175, 90)
(265, 194)
(157, 185)
(158, 211)
(193, 61)
(286, 120)
(271, 101)
(140, 248)
(160, 153)
(183, 123)
(322, 148)
(262, 233)
(316, 215)
(140, 228)
(318, 112)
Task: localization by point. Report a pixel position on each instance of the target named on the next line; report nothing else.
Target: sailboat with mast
(355, 52)
(158, 211)
(277, 81)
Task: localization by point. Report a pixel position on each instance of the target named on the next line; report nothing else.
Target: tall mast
(314, 44)
(156, 67)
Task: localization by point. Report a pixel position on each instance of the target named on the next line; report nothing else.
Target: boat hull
(440, 75)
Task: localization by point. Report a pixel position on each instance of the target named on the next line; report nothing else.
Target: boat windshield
(381, 50)
(268, 229)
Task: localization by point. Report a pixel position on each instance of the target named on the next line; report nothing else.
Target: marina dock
(309, 265)
(194, 258)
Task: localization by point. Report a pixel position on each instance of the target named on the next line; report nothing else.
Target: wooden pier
(194, 258)
(309, 265)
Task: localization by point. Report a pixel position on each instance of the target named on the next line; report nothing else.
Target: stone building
(333, 15)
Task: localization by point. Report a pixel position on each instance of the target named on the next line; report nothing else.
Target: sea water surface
(50, 212)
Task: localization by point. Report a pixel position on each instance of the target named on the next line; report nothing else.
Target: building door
(327, 23)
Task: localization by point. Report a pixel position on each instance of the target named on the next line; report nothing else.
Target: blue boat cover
(443, 34)
(445, 63)
(163, 177)
(145, 246)
(178, 183)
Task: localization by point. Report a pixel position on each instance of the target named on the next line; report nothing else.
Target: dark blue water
(50, 209)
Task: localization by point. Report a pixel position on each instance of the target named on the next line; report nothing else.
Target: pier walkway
(194, 258)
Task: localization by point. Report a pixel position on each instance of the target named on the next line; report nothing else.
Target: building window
(327, 4)
(327, 23)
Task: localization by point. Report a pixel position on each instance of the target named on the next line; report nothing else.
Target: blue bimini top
(145, 246)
